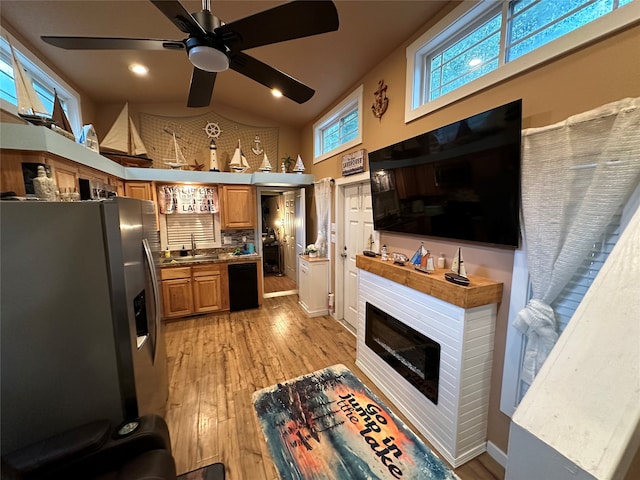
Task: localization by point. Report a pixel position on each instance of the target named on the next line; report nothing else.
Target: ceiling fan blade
(270, 77)
(285, 22)
(104, 43)
(174, 11)
(201, 88)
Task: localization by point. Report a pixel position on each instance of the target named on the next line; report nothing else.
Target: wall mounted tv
(457, 182)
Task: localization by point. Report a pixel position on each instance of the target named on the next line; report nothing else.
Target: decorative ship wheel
(212, 130)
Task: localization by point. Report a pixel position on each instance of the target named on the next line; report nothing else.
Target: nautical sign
(353, 163)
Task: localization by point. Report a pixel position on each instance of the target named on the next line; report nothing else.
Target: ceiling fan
(213, 46)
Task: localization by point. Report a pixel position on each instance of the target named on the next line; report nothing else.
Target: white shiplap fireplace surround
(462, 321)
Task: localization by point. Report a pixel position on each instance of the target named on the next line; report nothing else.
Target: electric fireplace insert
(412, 354)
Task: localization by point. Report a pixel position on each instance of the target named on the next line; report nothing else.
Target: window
(176, 230)
(340, 129)
(44, 83)
(478, 45)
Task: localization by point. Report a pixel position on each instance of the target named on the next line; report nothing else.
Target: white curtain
(323, 205)
(575, 176)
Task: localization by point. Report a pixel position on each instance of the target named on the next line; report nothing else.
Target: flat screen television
(457, 182)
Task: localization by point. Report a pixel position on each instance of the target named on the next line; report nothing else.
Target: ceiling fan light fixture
(208, 59)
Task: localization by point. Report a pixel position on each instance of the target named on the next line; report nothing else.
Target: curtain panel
(575, 175)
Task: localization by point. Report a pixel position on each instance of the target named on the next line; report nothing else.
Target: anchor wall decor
(381, 102)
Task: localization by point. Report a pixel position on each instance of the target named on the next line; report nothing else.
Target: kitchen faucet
(194, 250)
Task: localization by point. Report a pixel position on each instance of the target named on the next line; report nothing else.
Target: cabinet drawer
(205, 270)
(171, 273)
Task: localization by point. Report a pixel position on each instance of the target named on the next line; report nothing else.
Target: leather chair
(138, 449)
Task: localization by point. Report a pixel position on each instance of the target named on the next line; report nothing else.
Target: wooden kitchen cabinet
(202, 288)
(140, 190)
(65, 174)
(177, 298)
(238, 206)
(209, 284)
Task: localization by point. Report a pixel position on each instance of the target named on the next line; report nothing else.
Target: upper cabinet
(139, 190)
(238, 206)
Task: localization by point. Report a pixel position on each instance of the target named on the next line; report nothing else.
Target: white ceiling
(329, 63)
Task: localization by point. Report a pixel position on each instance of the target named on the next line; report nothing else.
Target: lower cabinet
(313, 285)
(194, 289)
(209, 286)
(177, 299)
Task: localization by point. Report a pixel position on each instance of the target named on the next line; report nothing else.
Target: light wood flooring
(216, 362)
(273, 283)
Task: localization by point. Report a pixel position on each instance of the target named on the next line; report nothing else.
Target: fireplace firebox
(412, 354)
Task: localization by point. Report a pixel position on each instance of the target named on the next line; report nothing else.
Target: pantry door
(358, 226)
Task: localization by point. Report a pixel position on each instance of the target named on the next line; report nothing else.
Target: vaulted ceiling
(329, 63)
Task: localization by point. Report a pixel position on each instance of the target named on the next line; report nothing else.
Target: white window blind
(180, 227)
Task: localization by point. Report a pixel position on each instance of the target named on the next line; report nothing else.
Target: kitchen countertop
(220, 258)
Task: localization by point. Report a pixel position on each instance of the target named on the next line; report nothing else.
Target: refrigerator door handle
(154, 288)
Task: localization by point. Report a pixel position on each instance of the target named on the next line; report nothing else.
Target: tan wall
(592, 76)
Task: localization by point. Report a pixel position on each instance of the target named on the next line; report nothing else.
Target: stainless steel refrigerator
(80, 329)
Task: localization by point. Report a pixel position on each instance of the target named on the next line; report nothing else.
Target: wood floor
(273, 283)
(216, 362)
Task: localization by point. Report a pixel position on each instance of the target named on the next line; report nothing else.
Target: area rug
(211, 472)
(328, 425)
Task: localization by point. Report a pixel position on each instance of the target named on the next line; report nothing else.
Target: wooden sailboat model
(62, 124)
(457, 266)
(265, 166)
(29, 105)
(177, 160)
(123, 144)
(299, 166)
(422, 260)
(238, 163)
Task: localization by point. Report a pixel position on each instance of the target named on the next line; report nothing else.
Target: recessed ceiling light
(276, 93)
(474, 62)
(138, 69)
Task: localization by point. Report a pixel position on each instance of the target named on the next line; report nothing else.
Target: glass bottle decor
(44, 187)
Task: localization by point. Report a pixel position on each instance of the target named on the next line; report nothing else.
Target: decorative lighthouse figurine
(213, 156)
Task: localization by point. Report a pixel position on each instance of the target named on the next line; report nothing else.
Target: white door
(358, 225)
(294, 227)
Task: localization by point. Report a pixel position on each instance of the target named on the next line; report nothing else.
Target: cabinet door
(140, 190)
(65, 174)
(176, 297)
(92, 174)
(118, 184)
(238, 206)
(207, 294)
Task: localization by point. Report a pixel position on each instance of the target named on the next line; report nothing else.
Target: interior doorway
(282, 224)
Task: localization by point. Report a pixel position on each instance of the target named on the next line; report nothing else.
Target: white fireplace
(456, 425)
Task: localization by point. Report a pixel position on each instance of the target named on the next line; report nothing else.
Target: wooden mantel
(481, 290)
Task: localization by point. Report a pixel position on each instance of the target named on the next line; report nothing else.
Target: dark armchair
(138, 449)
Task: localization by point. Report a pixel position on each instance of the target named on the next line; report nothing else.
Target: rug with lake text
(328, 425)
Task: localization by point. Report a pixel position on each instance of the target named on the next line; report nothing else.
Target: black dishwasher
(243, 286)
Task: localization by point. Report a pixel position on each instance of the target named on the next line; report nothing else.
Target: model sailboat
(29, 105)
(123, 144)
(239, 162)
(266, 165)
(457, 266)
(422, 260)
(299, 166)
(177, 160)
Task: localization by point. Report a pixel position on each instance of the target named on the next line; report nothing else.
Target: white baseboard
(497, 454)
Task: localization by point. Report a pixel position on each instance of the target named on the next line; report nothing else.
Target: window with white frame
(45, 83)
(340, 129)
(482, 43)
